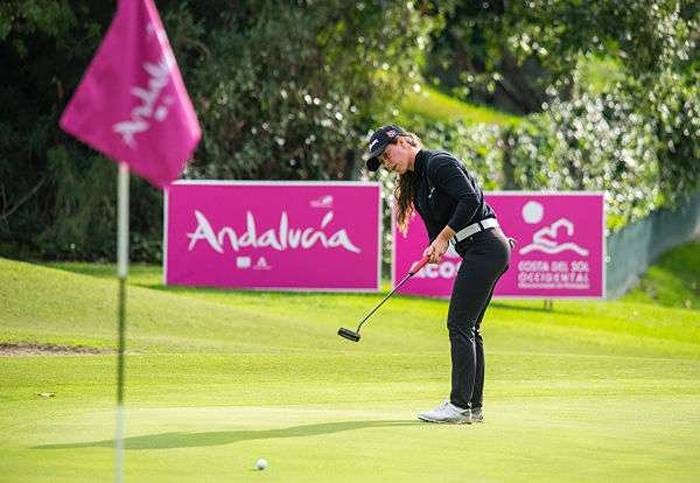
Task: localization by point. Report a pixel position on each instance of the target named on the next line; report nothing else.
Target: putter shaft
(413, 270)
(355, 336)
(383, 300)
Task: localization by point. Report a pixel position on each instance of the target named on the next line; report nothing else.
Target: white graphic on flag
(158, 77)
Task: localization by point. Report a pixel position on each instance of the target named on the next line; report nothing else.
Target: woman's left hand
(436, 250)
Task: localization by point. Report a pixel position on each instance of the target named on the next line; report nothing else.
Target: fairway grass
(592, 391)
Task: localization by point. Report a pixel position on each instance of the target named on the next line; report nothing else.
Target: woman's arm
(448, 174)
(444, 171)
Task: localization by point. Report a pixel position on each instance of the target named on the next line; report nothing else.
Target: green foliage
(633, 133)
(647, 36)
(22, 19)
(590, 143)
(288, 90)
(279, 89)
(84, 208)
(594, 143)
(83, 212)
(44, 48)
(598, 74)
(672, 102)
(472, 58)
(277, 86)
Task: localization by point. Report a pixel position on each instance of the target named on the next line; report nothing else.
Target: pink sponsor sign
(560, 250)
(273, 235)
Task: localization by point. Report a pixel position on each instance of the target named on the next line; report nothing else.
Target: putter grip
(418, 265)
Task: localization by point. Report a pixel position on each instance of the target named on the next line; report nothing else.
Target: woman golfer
(452, 206)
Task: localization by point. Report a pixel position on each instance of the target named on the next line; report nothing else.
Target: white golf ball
(261, 464)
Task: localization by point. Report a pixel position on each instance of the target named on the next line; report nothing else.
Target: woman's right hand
(436, 250)
(428, 252)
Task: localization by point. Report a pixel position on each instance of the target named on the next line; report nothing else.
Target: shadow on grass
(216, 438)
(523, 308)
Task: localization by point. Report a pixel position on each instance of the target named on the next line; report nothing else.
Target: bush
(283, 90)
(591, 142)
(279, 87)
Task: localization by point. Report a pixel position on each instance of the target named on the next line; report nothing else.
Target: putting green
(591, 391)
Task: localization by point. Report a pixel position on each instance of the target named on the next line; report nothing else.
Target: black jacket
(446, 194)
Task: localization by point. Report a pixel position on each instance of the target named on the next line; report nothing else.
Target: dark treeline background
(289, 90)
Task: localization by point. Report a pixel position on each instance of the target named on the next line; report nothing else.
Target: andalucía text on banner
(131, 104)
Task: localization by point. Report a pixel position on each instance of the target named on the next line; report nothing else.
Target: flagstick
(122, 272)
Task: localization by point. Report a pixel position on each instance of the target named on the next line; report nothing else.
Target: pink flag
(131, 104)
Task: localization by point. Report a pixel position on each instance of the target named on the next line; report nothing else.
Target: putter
(355, 336)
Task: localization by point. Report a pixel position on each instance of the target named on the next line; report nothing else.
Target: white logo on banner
(242, 262)
(551, 273)
(447, 268)
(545, 240)
(323, 202)
(281, 238)
(261, 264)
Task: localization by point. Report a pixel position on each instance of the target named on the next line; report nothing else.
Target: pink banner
(560, 250)
(273, 235)
(131, 104)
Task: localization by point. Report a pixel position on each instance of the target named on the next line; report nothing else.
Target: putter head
(349, 334)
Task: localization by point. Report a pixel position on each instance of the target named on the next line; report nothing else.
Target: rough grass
(435, 106)
(216, 379)
(596, 74)
(674, 281)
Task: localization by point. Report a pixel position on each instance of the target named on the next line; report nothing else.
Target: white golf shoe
(447, 413)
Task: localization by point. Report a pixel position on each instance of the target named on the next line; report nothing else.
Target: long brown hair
(405, 191)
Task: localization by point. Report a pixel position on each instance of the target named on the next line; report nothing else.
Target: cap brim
(378, 150)
(373, 164)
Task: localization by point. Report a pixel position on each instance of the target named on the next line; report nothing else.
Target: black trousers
(485, 258)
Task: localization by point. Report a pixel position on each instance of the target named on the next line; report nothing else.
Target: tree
(283, 90)
(529, 53)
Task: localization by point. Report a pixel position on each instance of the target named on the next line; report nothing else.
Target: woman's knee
(461, 327)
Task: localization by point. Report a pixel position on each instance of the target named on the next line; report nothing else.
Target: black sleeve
(447, 173)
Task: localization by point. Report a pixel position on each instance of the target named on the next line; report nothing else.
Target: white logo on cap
(371, 145)
(391, 133)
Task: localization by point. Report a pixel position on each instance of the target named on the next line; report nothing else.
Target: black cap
(378, 142)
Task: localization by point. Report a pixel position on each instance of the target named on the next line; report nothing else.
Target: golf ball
(261, 464)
